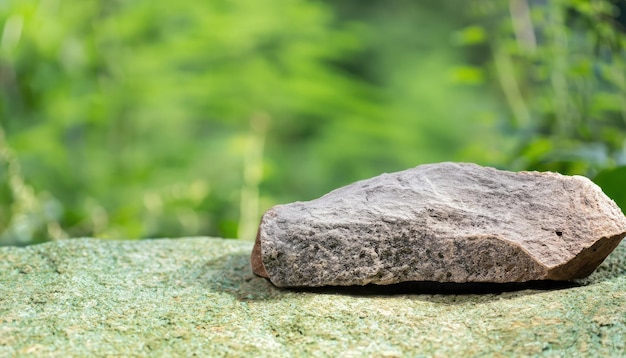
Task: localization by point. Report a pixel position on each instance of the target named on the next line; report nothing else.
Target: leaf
(467, 75)
(612, 183)
(471, 35)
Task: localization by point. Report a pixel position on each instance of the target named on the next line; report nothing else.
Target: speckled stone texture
(197, 297)
(446, 222)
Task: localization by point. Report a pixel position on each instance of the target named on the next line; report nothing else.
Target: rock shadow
(232, 274)
(443, 288)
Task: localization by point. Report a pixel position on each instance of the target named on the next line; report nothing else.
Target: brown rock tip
(446, 222)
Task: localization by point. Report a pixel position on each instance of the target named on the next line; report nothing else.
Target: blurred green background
(128, 119)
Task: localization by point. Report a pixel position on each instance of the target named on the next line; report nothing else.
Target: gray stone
(447, 222)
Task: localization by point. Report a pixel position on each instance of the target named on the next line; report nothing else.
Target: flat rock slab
(446, 222)
(197, 296)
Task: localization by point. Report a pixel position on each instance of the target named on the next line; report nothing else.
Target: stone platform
(198, 296)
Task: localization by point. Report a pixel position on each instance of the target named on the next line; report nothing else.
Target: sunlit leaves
(123, 100)
(467, 75)
(471, 35)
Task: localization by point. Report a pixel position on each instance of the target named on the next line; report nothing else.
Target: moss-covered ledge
(87, 297)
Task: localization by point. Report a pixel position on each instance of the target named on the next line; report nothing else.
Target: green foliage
(612, 183)
(136, 118)
(134, 114)
(561, 67)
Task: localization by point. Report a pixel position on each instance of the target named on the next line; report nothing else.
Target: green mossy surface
(87, 297)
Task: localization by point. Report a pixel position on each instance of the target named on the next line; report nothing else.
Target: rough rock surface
(197, 297)
(447, 222)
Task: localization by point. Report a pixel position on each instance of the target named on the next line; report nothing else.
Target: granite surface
(444, 222)
(198, 296)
